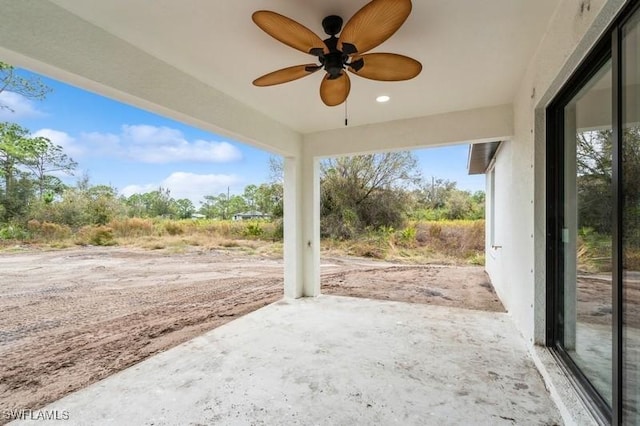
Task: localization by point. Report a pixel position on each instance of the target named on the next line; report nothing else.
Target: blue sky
(138, 151)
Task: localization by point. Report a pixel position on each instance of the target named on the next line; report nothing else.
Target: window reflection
(631, 222)
(588, 231)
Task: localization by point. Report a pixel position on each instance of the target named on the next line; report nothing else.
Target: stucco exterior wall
(497, 214)
(518, 269)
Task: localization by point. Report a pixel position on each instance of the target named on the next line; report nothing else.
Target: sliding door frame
(607, 48)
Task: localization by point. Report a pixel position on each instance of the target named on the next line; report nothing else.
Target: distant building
(198, 216)
(250, 215)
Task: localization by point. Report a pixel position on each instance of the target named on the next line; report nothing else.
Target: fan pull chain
(346, 114)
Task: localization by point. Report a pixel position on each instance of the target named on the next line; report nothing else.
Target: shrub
(253, 229)
(341, 224)
(408, 236)
(54, 231)
(386, 232)
(174, 228)
(368, 248)
(477, 259)
(132, 227)
(96, 235)
(435, 231)
(277, 233)
(33, 225)
(13, 232)
(456, 238)
(47, 230)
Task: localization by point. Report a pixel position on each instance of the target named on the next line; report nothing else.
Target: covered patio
(490, 70)
(331, 361)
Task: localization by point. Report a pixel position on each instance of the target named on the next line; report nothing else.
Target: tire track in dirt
(67, 360)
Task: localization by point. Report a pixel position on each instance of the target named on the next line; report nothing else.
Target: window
(492, 208)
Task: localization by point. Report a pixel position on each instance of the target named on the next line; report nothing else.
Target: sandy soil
(457, 286)
(71, 317)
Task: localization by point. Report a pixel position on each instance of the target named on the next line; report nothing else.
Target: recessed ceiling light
(383, 99)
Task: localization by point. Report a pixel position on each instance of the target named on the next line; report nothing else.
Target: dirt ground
(71, 317)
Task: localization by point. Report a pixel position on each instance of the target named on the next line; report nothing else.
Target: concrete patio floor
(331, 361)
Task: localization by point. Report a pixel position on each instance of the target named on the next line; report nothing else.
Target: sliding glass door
(630, 226)
(593, 224)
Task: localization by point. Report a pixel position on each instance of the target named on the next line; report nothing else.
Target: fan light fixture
(382, 99)
(368, 28)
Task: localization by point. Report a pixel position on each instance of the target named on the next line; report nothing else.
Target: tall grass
(444, 241)
(148, 232)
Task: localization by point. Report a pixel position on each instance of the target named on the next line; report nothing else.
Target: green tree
(136, 206)
(458, 205)
(102, 204)
(273, 201)
(69, 209)
(184, 208)
(594, 156)
(215, 206)
(223, 206)
(49, 158)
(366, 191)
(11, 81)
(276, 169)
(159, 203)
(18, 202)
(479, 197)
(237, 204)
(250, 195)
(84, 204)
(593, 177)
(269, 199)
(17, 149)
(433, 194)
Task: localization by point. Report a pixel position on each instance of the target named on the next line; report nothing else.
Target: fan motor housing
(332, 24)
(334, 64)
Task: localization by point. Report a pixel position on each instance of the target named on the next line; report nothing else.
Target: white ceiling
(474, 53)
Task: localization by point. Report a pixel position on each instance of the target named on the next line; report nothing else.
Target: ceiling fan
(368, 28)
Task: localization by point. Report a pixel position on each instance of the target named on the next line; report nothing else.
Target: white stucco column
(292, 227)
(301, 226)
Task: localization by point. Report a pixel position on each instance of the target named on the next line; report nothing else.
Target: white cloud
(16, 106)
(101, 143)
(69, 144)
(199, 151)
(129, 190)
(143, 134)
(158, 145)
(187, 185)
(152, 144)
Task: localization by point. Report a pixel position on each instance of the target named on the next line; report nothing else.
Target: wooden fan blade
(288, 31)
(334, 92)
(387, 67)
(374, 23)
(286, 74)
